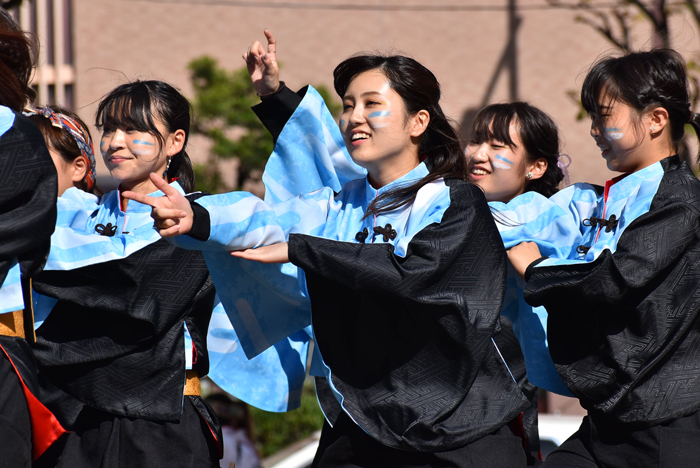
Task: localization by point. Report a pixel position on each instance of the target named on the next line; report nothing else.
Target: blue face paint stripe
(504, 159)
(379, 114)
(341, 123)
(143, 142)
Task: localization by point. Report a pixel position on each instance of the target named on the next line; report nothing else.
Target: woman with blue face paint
(403, 268)
(624, 321)
(126, 332)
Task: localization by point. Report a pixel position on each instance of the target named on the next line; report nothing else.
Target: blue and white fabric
(76, 244)
(11, 298)
(627, 199)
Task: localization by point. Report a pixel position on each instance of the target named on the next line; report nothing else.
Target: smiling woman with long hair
(404, 269)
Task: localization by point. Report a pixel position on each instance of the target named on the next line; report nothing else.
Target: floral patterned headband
(81, 135)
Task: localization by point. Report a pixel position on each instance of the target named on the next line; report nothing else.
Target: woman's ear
(537, 169)
(80, 169)
(176, 141)
(419, 123)
(658, 119)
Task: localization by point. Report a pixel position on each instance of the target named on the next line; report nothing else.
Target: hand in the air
(262, 65)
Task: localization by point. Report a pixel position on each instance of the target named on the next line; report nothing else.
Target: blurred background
(482, 51)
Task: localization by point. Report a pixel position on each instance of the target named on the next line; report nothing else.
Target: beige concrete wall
(119, 40)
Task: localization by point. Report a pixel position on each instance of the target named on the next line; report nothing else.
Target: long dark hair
(16, 64)
(419, 90)
(134, 105)
(643, 81)
(537, 131)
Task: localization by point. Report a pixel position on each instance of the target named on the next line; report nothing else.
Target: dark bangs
(601, 82)
(128, 106)
(493, 122)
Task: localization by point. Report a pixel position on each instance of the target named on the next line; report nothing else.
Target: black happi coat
(414, 342)
(409, 339)
(115, 339)
(624, 330)
(28, 188)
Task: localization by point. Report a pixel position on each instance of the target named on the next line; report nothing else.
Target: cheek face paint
(505, 164)
(147, 149)
(341, 124)
(103, 148)
(379, 115)
(613, 133)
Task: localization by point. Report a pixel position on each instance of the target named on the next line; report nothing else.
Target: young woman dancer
(513, 156)
(115, 337)
(70, 146)
(623, 317)
(404, 272)
(27, 216)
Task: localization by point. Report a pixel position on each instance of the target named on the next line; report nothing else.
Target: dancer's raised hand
(262, 65)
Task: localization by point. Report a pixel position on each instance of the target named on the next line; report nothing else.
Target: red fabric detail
(608, 184)
(516, 426)
(219, 446)
(423, 157)
(45, 427)
(194, 353)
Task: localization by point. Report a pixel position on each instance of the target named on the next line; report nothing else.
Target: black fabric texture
(531, 266)
(346, 445)
(102, 440)
(600, 442)
(15, 422)
(201, 223)
(115, 339)
(623, 330)
(275, 110)
(28, 188)
(409, 340)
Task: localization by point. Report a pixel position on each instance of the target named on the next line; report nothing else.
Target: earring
(652, 128)
(528, 176)
(165, 173)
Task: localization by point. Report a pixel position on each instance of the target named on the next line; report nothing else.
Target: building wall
(115, 41)
(119, 40)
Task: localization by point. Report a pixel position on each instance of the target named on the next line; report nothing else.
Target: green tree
(275, 431)
(222, 108)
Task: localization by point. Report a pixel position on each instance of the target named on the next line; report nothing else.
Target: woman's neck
(384, 174)
(143, 187)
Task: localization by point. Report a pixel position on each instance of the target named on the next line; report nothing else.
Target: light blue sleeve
(309, 154)
(11, 298)
(531, 217)
(272, 380)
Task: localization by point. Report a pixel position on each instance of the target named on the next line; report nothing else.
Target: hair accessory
(77, 131)
(528, 176)
(564, 167)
